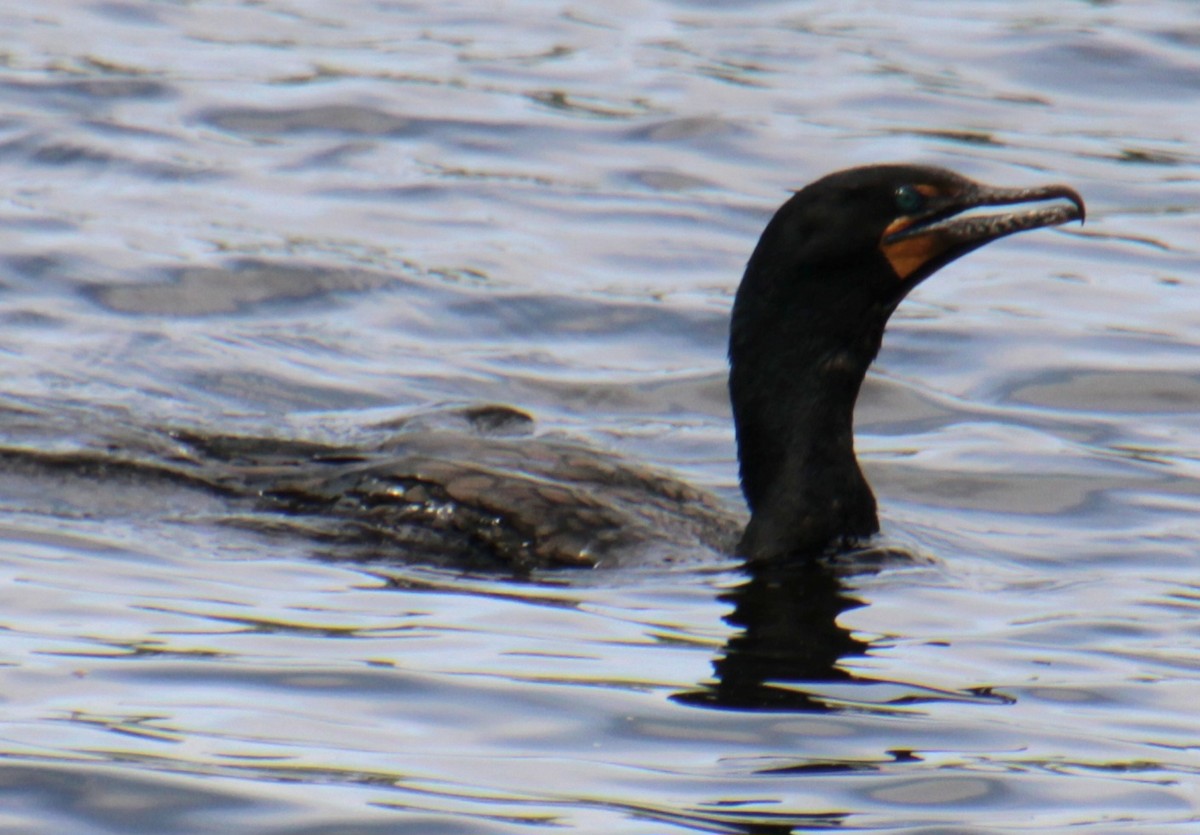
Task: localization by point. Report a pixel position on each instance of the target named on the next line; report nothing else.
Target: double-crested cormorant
(808, 319)
(828, 271)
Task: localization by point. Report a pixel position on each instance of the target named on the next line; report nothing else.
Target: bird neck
(793, 389)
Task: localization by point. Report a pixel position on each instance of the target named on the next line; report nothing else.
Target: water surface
(308, 220)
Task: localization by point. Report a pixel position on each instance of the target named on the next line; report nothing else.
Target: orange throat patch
(909, 255)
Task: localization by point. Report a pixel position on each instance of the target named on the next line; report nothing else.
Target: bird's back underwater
(470, 488)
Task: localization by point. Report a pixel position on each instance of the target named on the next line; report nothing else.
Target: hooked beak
(918, 245)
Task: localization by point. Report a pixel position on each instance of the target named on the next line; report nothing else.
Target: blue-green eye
(909, 200)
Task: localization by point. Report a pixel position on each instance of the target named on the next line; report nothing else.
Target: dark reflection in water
(787, 611)
(790, 642)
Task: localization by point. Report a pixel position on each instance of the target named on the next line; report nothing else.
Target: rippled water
(310, 219)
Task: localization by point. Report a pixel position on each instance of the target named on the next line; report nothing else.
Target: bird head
(844, 251)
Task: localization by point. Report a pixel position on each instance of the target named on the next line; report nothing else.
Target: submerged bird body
(462, 494)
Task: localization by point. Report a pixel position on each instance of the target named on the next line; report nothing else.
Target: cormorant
(808, 318)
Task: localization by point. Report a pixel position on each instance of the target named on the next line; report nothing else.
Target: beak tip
(1076, 198)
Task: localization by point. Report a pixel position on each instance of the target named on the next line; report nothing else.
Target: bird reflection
(786, 613)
